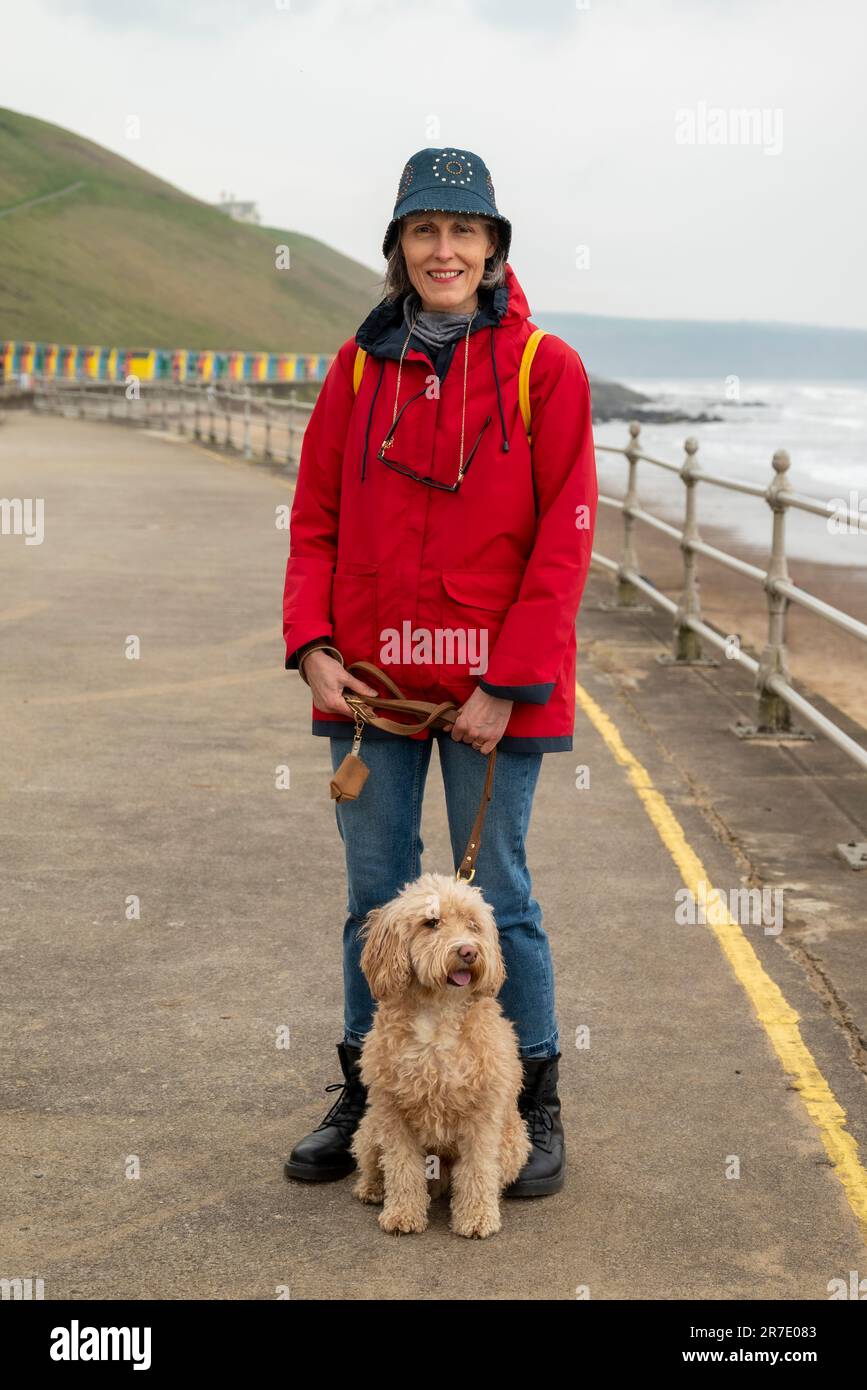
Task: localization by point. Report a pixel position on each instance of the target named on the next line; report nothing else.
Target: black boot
(323, 1155)
(545, 1169)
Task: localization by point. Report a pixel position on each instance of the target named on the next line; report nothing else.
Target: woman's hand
(482, 720)
(327, 678)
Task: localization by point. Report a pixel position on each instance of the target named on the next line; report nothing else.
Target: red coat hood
(518, 307)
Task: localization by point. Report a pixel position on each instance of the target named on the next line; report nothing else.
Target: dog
(441, 1062)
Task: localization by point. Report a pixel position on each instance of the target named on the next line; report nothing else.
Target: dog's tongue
(460, 977)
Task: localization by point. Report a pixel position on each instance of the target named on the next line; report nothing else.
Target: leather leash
(432, 716)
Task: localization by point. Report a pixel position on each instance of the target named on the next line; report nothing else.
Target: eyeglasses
(408, 472)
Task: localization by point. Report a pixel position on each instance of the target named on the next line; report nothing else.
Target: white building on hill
(242, 212)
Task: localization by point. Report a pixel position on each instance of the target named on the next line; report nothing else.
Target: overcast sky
(596, 120)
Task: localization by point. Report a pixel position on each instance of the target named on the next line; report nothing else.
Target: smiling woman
(464, 582)
(445, 258)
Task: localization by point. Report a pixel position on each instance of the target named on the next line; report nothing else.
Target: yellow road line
(779, 1020)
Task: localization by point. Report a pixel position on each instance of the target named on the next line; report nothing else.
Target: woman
(429, 538)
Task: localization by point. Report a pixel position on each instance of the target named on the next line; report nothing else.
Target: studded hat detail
(445, 180)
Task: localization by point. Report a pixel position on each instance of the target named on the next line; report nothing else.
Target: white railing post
(248, 450)
(774, 714)
(627, 594)
(268, 395)
(686, 646)
(291, 461)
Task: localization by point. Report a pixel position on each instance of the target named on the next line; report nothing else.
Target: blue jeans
(382, 839)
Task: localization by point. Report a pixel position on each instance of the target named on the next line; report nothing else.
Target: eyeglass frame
(406, 471)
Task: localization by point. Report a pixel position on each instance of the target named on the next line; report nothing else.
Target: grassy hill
(124, 258)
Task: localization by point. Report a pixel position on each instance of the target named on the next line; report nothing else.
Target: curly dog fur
(441, 1062)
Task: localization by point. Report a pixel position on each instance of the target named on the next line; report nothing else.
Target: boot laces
(539, 1120)
(347, 1108)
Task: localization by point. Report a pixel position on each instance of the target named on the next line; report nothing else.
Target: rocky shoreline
(611, 401)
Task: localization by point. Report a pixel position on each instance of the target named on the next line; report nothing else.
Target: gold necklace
(387, 442)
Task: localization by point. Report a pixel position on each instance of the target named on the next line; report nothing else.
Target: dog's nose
(468, 953)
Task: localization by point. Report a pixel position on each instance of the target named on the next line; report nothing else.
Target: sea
(822, 425)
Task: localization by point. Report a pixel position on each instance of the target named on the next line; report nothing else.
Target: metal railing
(258, 425)
(261, 425)
(776, 696)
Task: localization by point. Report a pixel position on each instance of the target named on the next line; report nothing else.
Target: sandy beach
(821, 655)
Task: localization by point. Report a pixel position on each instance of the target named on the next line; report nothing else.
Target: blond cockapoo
(441, 1062)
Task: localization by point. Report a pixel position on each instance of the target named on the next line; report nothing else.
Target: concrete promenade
(148, 1043)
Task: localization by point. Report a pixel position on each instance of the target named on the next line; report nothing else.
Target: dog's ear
(385, 957)
(495, 974)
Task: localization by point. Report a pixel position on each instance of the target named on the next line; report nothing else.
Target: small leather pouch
(348, 780)
(350, 777)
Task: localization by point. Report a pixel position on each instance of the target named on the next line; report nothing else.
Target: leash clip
(359, 730)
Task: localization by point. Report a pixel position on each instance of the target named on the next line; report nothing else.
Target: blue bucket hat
(445, 180)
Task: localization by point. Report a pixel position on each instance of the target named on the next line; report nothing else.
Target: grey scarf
(434, 327)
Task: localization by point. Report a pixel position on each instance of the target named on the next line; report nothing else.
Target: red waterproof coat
(449, 590)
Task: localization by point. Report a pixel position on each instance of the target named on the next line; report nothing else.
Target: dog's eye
(432, 922)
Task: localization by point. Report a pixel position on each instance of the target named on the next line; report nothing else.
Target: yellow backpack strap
(524, 377)
(360, 356)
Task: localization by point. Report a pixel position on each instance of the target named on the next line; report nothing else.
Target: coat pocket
(473, 609)
(353, 610)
